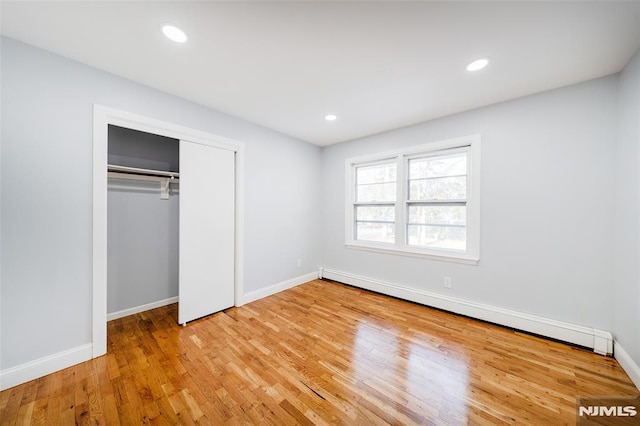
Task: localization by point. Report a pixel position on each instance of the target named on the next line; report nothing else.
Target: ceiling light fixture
(174, 33)
(330, 117)
(478, 64)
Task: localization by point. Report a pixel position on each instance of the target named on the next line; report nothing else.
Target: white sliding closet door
(207, 230)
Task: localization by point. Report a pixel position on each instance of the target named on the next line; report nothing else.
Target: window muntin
(420, 201)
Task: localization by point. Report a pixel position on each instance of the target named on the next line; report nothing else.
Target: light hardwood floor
(320, 353)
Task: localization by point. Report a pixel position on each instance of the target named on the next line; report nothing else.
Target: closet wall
(142, 229)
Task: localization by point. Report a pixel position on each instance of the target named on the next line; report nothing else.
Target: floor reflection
(415, 371)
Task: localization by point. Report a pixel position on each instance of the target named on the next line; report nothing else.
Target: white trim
(414, 150)
(99, 237)
(239, 258)
(276, 288)
(141, 308)
(472, 146)
(459, 258)
(567, 332)
(163, 128)
(102, 117)
(627, 363)
(31, 370)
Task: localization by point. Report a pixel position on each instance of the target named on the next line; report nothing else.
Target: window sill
(441, 256)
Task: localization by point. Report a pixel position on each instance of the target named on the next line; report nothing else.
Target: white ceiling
(376, 65)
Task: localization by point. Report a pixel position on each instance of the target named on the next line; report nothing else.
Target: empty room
(257, 212)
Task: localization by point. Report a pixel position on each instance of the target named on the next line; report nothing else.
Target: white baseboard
(276, 288)
(31, 370)
(141, 308)
(628, 364)
(599, 340)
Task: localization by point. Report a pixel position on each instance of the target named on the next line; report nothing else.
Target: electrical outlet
(448, 282)
(299, 263)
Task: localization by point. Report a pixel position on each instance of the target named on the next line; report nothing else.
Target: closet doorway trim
(102, 118)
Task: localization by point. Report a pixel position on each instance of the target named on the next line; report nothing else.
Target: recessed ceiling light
(478, 64)
(330, 117)
(174, 33)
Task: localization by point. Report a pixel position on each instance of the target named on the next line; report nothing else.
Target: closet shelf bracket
(164, 188)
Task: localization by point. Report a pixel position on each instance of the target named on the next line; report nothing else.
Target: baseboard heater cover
(600, 341)
(627, 363)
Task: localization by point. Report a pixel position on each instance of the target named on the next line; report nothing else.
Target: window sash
(383, 232)
(371, 184)
(452, 187)
(434, 232)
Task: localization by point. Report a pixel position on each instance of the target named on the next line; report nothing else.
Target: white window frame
(471, 255)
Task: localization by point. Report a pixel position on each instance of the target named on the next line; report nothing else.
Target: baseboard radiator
(600, 341)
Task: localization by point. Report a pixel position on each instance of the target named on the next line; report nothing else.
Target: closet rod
(134, 173)
(141, 172)
(147, 178)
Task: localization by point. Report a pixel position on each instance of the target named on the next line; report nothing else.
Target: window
(420, 201)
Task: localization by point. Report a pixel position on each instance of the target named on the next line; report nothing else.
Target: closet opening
(142, 221)
(168, 204)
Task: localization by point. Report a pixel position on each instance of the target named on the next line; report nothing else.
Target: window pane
(371, 231)
(377, 173)
(376, 183)
(438, 166)
(376, 192)
(438, 215)
(376, 213)
(448, 188)
(450, 237)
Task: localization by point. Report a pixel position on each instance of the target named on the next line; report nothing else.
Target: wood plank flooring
(320, 353)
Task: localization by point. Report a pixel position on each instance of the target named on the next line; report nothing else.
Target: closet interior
(142, 221)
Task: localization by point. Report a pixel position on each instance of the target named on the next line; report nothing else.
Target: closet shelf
(149, 175)
(142, 172)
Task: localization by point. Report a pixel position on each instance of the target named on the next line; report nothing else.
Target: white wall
(46, 195)
(626, 306)
(546, 207)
